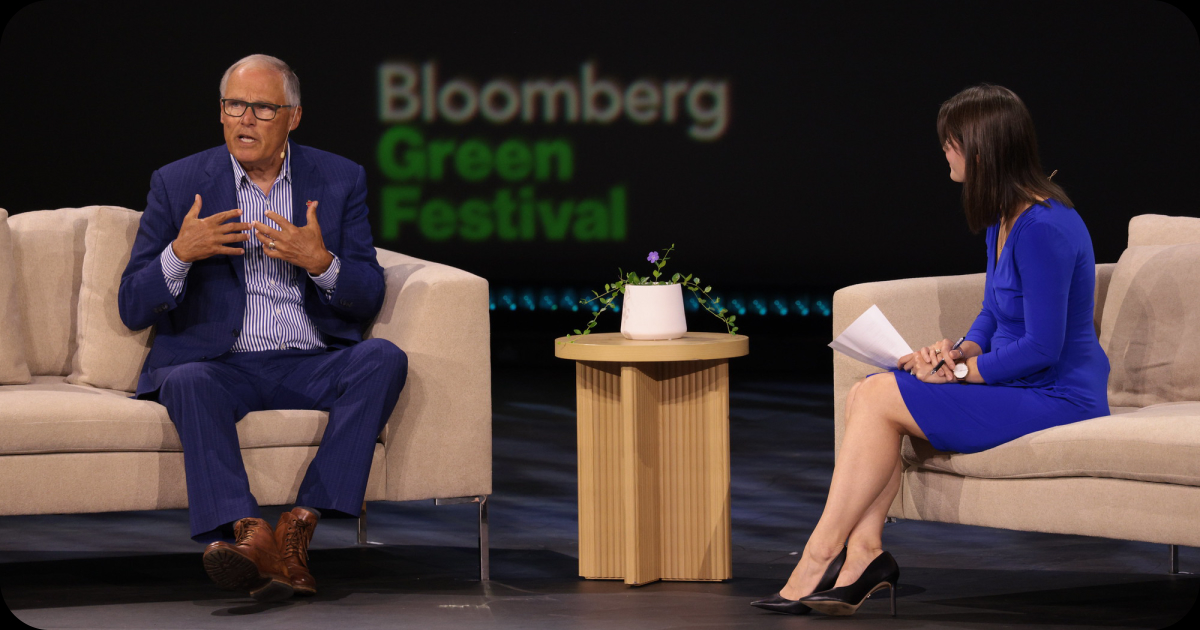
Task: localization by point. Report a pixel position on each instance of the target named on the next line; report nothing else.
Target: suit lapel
(218, 195)
(305, 185)
(308, 184)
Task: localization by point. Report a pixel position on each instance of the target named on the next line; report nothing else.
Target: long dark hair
(994, 132)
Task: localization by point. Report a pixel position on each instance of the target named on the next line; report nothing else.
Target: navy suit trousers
(358, 386)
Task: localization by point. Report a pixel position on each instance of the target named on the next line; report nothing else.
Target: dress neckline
(995, 260)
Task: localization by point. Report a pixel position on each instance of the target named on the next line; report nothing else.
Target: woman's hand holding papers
(922, 362)
(918, 366)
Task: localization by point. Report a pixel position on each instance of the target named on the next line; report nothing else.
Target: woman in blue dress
(1030, 361)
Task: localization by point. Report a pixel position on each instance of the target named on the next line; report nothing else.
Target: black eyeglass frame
(251, 106)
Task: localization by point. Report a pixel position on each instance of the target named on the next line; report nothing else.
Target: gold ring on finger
(271, 246)
(937, 350)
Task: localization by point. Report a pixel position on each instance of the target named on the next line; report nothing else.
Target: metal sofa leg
(1173, 560)
(362, 525)
(484, 559)
(484, 556)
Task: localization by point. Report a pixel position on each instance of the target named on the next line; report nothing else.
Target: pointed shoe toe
(780, 604)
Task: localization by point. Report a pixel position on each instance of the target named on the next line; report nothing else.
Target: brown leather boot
(292, 535)
(252, 564)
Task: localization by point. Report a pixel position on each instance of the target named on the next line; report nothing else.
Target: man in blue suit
(254, 260)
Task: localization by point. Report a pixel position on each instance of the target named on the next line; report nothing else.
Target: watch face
(960, 370)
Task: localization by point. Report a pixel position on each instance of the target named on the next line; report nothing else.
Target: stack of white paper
(872, 339)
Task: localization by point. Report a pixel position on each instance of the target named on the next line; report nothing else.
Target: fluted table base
(654, 470)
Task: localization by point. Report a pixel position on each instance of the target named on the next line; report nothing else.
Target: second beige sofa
(1133, 475)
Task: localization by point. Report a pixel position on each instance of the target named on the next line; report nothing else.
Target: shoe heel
(845, 600)
(231, 571)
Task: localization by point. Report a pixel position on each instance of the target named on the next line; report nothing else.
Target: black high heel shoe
(844, 600)
(780, 604)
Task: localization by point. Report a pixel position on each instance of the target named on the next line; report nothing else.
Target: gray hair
(291, 83)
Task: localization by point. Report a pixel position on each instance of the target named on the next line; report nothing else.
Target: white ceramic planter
(653, 312)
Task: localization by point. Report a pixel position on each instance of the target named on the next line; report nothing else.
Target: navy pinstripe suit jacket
(203, 322)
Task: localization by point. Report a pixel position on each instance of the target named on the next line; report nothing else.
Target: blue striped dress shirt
(275, 317)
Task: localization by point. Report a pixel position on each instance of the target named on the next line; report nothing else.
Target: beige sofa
(72, 440)
(1134, 475)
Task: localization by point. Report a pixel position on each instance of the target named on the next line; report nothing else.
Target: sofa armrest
(1104, 273)
(438, 440)
(923, 310)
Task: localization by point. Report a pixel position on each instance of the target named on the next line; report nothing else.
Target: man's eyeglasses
(262, 111)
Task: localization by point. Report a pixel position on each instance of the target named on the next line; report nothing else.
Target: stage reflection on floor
(138, 569)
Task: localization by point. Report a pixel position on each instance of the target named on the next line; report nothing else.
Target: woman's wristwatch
(961, 370)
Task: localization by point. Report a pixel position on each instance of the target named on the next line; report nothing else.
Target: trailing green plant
(689, 282)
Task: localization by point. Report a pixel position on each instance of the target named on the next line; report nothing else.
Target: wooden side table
(653, 455)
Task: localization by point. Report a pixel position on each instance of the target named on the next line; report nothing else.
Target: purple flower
(653, 257)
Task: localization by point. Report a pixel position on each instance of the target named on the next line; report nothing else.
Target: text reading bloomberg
(412, 97)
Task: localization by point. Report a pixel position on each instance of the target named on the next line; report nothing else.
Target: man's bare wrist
(322, 268)
(175, 250)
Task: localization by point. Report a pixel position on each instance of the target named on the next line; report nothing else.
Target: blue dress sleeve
(1045, 262)
(984, 327)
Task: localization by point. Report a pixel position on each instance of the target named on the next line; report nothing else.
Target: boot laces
(244, 530)
(295, 541)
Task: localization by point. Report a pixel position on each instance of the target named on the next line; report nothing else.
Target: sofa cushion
(108, 355)
(1151, 326)
(50, 415)
(1159, 443)
(1157, 229)
(48, 253)
(13, 367)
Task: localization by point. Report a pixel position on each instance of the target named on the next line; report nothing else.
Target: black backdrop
(827, 172)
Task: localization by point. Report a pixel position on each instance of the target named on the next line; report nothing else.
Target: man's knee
(385, 354)
(186, 379)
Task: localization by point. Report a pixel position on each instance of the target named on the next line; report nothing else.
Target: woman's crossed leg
(866, 478)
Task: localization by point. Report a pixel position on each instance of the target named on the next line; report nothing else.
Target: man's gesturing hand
(301, 246)
(201, 238)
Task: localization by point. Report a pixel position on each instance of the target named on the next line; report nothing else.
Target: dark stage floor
(139, 570)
